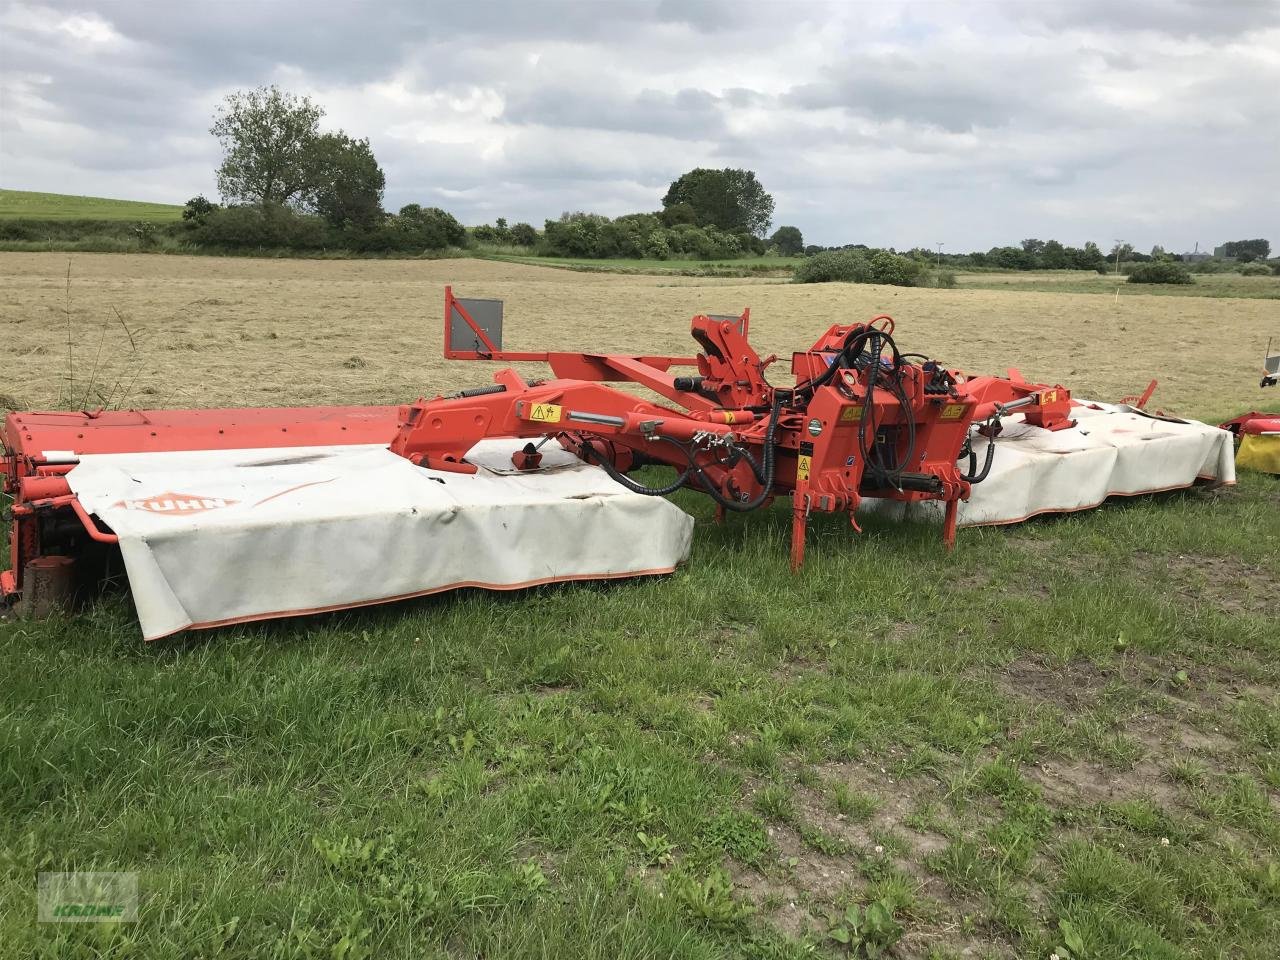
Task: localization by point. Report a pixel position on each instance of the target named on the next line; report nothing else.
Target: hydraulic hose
(764, 474)
(633, 485)
(973, 476)
(770, 462)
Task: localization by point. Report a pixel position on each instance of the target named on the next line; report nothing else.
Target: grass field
(1061, 737)
(60, 206)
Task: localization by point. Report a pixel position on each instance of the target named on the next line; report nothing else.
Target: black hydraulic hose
(766, 481)
(753, 463)
(890, 380)
(770, 462)
(905, 404)
(630, 484)
(973, 476)
(694, 470)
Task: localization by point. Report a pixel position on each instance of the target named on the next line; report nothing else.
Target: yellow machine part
(1259, 453)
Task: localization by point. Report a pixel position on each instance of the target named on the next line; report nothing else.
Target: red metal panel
(33, 435)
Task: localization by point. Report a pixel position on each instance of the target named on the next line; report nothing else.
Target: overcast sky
(882, 123)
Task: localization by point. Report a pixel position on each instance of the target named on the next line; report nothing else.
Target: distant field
(60, 206)
(1086, 281)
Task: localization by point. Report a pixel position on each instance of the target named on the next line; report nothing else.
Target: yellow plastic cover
(1259, 453)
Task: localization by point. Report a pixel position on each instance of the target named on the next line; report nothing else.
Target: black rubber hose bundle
(770, 462)
(973, 476)
(627, 482)
(764, 474)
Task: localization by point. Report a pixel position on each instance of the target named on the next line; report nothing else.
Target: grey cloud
(1175, 18)
(687, 114)
(954, 95)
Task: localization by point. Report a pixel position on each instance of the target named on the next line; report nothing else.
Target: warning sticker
(850, 414)
(545, 413)
(953, 411)
(803, 465)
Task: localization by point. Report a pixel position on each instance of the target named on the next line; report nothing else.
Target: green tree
(347, 182)
(677, 214)
(269, 142)
(1120, 252)
(732, 200)
(197, 210)
(1247, 250)
(1053, 256)
(788, 241)
(524, 235)
(274, 155)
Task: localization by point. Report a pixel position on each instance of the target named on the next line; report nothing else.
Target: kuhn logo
(177, 503)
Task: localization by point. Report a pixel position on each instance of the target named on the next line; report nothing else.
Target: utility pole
(940, 246)
(1118, 258)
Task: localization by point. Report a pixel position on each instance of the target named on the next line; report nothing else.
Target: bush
(1160, 271)
(892, 269)
(1255, 270)
(642, 236)
(426, 228)
(100, 236)
(859, 266)
(257, 228)
(848, 266)
(524, 235)
(147, 233)
(946, 279)
(70, 231)
(575, 235)
(656, 246)
(197, 210)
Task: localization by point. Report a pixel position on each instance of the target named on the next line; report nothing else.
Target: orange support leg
(949, 524)
(799, 526)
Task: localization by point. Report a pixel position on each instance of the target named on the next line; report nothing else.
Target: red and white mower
(225, 516)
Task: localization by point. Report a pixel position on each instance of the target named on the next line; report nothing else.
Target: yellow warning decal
(953, 411)
(803, 464)
(1048, 396)
(850, 414)
(545, 413)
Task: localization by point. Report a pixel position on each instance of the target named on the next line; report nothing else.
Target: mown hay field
(217, 332)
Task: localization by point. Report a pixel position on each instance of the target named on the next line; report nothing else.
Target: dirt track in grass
(228, 331)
